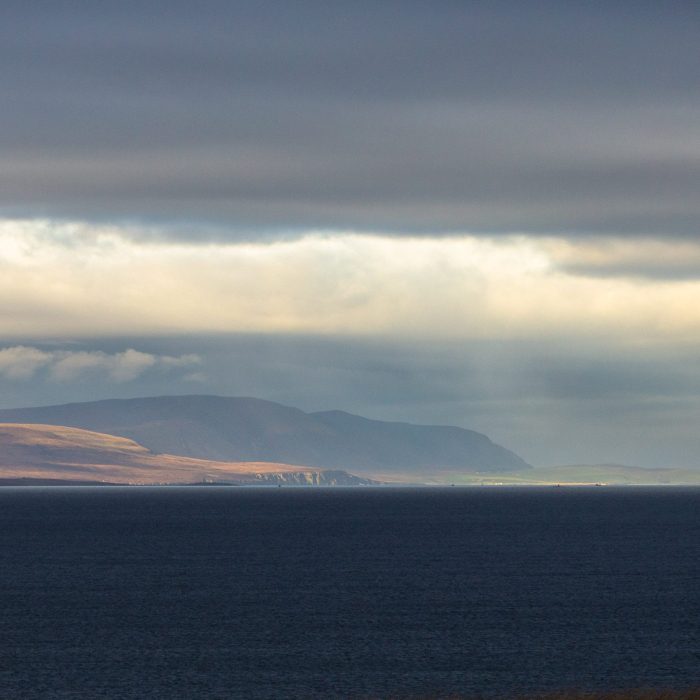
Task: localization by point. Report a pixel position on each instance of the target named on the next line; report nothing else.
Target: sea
(236, 592)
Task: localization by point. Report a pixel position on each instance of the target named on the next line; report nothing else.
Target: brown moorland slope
(57, 452)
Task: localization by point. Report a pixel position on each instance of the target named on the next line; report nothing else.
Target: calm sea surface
(322, 593)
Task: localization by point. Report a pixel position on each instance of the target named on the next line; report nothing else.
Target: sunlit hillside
(57, 452)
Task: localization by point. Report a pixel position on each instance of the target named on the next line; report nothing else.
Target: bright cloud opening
(78, 280)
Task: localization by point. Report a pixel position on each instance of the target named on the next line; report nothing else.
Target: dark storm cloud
(411, 116)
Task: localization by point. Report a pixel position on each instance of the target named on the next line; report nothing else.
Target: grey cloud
(537, 117)
(674, 260)
(649, 271)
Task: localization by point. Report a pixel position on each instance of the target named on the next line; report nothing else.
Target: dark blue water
(319, 593)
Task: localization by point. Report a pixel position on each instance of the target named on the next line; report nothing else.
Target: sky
(483, 214)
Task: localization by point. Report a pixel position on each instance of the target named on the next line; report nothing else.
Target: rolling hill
(50, 453)
(253, 430)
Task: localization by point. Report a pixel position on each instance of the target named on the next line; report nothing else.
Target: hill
(248, 429)
(46, 453)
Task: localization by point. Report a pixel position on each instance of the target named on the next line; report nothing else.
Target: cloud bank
(22, 362)
(259, 118)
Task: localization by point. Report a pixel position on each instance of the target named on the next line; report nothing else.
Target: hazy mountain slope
(36, 451)
(246, 429)
(377, 443)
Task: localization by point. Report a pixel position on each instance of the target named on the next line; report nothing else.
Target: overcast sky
(484, 214)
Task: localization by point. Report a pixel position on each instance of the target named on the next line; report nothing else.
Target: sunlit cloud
(22, 362)
(77, 280)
